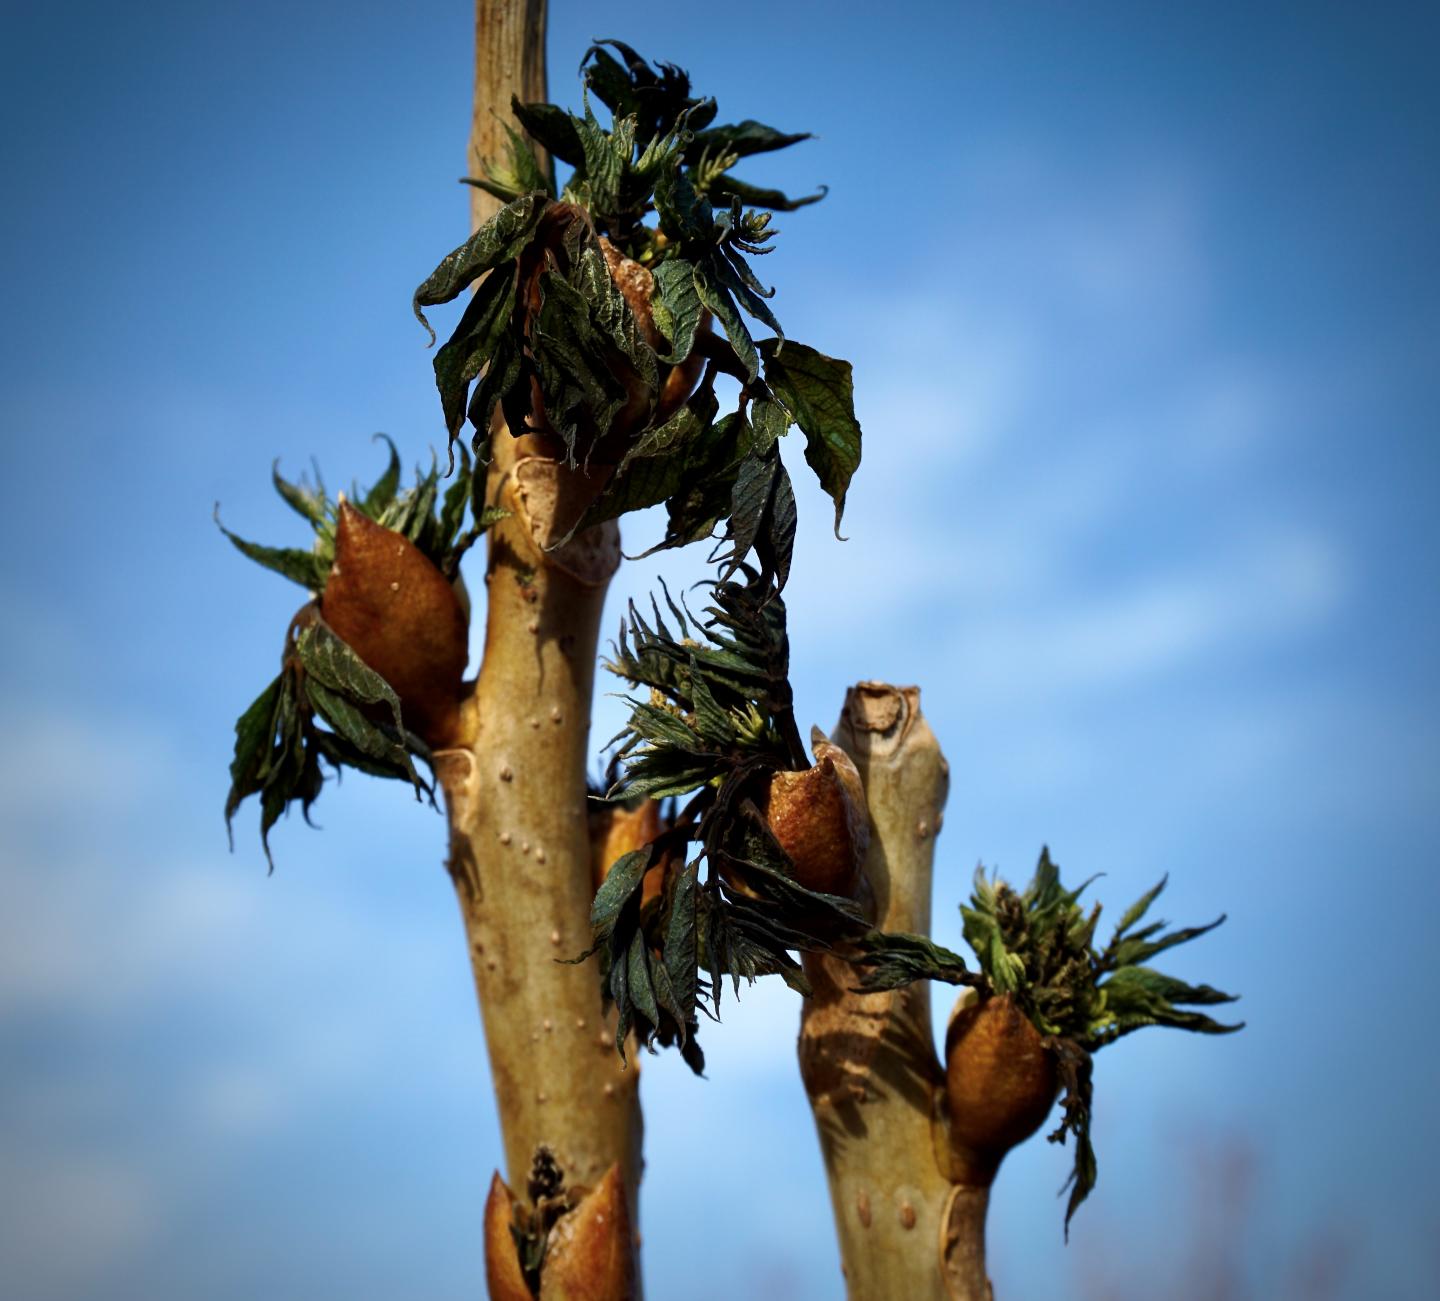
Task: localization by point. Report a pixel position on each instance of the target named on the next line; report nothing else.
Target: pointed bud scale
(504, 1278)
(820, 819)
(400, 614)
(589, 1255)
(1000, 1083)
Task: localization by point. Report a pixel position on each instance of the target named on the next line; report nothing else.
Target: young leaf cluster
(326, 704)
(551, 340)
(426, 516)
(717, 724)
(1038, 945)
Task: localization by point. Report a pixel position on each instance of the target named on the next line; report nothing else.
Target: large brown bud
(400, 615)
(821, 821)
(1000, 1083)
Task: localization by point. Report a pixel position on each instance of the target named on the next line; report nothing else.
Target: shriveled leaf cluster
(551, 340)
(279, 744)
(717, 724)
(1039, 946)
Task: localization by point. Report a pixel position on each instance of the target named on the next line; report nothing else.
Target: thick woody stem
(516, 788)
(868, 1060)
(509, 60)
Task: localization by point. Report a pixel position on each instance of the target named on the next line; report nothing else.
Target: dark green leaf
(742, 139)
(676, 307)
(619, 887)
(254, 736)
(1139, 948)
(680, 948)
(658, 464)
(376, 743)
(1140, 907)
(457, 496)
(383, 493)
(308, 503)
(333, 664)
(473, 345)
(754, 196)
(552, 128)
(520, 174)
(896, 958)
(641, 988)
(820, 396)
(716, 297)
(303, 567)
(496, 242)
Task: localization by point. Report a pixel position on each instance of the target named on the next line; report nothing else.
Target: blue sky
(1143, 309)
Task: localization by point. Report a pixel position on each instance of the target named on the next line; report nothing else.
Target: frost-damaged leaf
(658, 464)
(749, 505)
(681, 953)
(272, 759)
(1075, 1069)
(716, 297)
(769, 421)
(658, 100)
(819, 393)
(331, 663)
(467, 351)
(497, 241)
(755, 196)
(618, 889)
(676, 307)
(742, 139)
(641, 988)
(607, 156)
(303, 567)
(254, 737)
(379, 744)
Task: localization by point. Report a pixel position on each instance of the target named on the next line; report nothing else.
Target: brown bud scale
(820, 819)
(400, 615)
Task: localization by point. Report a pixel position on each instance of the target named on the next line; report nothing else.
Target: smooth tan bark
(509, 60)
(515, 787)
(868, 1061)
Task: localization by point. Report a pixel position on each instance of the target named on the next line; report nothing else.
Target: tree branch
(516, 787)
(868, 1061)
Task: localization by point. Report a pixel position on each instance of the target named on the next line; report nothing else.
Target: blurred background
(1143, 307)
